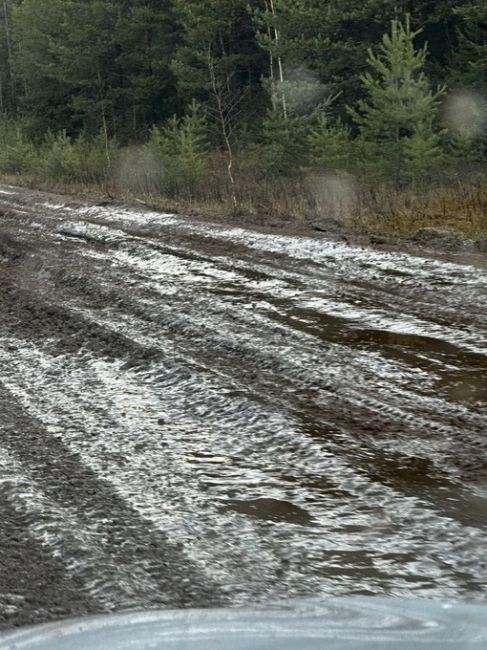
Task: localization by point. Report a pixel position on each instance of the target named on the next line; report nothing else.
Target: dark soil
(225, 340)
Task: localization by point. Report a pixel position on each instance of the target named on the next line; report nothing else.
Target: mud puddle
(201, 415)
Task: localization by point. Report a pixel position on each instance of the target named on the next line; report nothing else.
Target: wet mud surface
(195, 415)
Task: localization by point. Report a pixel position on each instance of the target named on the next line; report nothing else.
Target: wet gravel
(197, 415)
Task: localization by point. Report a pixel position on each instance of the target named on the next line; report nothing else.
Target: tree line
(381, 89)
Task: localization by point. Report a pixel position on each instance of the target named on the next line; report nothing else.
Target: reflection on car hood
(334, 624)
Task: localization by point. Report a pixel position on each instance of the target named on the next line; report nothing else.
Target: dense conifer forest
(290, 107)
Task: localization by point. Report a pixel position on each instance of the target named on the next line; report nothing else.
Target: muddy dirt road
(194, 415)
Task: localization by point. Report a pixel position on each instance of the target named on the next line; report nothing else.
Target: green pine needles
(240, 101)
(181, 146)
(398, 116)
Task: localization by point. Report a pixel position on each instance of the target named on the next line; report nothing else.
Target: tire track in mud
(453, 543)
(34, 584)
(112, 555)
(250, 407)
(111, 336)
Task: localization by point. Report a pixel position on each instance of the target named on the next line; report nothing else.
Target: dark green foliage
(399, 112)
(8, 91)
(218, 38)
(283, 148)
(330, 38)
(468, 74)
(17, 154)
(95, 64)
(80, 74)
(331, 146)
(82, 160)
(181, 146)
(469, 60)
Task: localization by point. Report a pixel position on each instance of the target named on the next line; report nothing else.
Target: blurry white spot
(139, 170)
(466, 113)
(335, 195)
(303, 91)
(431, 624)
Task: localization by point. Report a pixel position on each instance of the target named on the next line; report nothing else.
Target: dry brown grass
(463, 207)
(381, 210)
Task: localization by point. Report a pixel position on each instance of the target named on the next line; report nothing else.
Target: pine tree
(399, 112)
(470, 59)
(219, 64)
(331, 146)
(95, 65)
(330, 38)
(223, 31)
(37, 26)
(146, 36)
(283, 149)
(181, 146)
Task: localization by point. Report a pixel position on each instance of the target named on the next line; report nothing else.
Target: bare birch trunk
(224, 116)
(279, 64)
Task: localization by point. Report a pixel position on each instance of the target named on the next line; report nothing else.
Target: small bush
(17, 154)
(283, 149)
(330, 145)
(181, 146)
(82, 160)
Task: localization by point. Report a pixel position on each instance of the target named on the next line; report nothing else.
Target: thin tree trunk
(104, 123)
(271, 63)
(9, 55)
(223, 118)
(279, 63)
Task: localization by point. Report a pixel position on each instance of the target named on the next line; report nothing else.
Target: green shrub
(284, 147)
(398, 115)
(330, 145)
(17, 154)
(181, 146)
(82, 160)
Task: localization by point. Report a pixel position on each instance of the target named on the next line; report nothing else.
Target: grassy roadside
(462, 207)
(333, 202)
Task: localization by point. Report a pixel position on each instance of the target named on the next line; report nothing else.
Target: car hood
(334, 624)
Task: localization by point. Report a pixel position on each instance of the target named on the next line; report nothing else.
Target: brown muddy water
(193, 415)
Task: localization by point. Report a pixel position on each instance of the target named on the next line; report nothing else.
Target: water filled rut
(195, 415)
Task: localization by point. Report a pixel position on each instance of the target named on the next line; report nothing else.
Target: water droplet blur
(466, 113)
(335, 195)
(303, 91)
(139, 170)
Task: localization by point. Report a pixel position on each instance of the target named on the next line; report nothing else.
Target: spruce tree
(398, 115)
